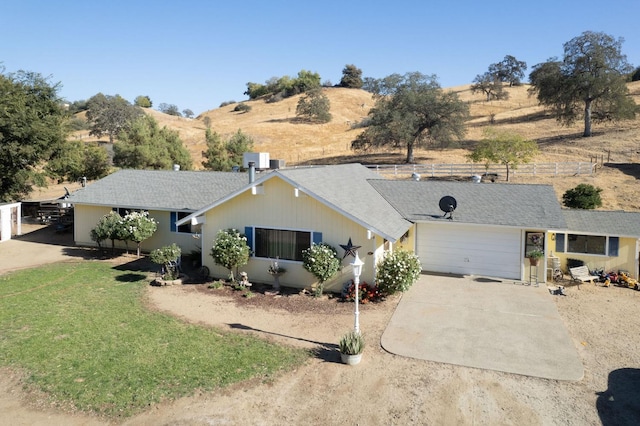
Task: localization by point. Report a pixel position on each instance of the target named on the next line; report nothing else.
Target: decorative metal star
(349, 249)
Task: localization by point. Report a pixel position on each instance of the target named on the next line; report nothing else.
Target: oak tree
(110, 115)
(411, 110)
(32, 127)
(588, 82)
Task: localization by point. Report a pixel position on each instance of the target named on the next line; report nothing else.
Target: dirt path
(384, 388)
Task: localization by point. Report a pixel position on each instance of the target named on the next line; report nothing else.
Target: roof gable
(159, 189)
(525, 206)
(344, 188)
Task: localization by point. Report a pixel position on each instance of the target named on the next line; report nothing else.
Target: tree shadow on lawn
(327, 352)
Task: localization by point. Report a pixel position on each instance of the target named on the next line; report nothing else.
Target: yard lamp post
(357, 265)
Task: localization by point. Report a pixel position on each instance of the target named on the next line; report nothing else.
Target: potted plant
(351, 346)
(534, 256)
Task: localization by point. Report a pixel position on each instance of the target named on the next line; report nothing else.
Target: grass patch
(82, 333)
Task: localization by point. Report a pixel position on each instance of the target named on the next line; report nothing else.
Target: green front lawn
(83, 335)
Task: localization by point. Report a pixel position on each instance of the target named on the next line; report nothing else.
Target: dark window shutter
(317, 237)
(173, 219)
(560, 243)
(614, 244)
(248, 232)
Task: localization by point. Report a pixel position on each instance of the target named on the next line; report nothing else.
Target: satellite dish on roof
(448, 204)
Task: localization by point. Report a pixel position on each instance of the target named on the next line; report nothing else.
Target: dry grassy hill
(274, 129)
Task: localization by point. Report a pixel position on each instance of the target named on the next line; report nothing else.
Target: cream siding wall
(278, 207)
(627, 258)
(86, 218)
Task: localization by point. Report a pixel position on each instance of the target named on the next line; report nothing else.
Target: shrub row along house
(282, 212)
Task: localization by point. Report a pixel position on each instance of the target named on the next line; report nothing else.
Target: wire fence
(496, 170)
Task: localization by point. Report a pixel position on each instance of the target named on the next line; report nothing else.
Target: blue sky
(198, 54)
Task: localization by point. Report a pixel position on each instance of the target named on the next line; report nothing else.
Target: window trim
(612, 244)
(250, 232)
(175, 216)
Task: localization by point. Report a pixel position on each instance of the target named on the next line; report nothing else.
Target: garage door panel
(470, 250)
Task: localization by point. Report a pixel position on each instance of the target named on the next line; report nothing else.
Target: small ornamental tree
(165, 256)
(138, 227)
(230, 250)
(583, 196)
(504, 147)
(109, 227)
(397, 271)
(322, 261)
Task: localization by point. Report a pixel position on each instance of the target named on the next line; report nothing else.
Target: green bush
(322, 261)
(165, 256)
(397, 271)
(230, 250)
(242, 107)
(583, 196)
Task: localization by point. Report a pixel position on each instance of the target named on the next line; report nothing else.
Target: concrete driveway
(38, 245)
(484, 323)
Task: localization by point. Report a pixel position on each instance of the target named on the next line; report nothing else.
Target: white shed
(10, 220)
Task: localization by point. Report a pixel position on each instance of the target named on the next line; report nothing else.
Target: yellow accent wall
(626, 260)
(276, 206)
(86, 218)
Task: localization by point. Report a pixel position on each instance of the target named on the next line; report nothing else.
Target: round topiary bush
(397, 271)
(322, 261)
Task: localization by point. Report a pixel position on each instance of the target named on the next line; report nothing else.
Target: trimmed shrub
(230, 250)
(397, 271)
(322, 261)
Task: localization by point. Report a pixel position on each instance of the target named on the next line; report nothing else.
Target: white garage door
(470, 250)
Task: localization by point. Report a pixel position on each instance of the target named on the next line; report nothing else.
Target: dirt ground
(383, 388)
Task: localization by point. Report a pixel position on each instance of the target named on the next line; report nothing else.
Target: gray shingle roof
(530, 206)
(160, 189)
(345, 187)
(618, 223)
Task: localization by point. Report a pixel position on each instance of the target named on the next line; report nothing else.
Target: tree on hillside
(351, 77)
(187, 113)
(147, 146)
(110, 115)
(314, 106)
(504, 147)
(237, 145)
(143, 101)
(222, 155)
(216, 156)
(589, 81)
(277, 89)
(78, 106)
(32, 127)
(490, 85)
(169, 109)
(411, 110)
(73, 160)
(509, 70)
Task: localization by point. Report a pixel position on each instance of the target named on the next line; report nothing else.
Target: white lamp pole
(357, 265)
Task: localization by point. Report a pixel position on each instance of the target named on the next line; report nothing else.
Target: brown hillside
(274, 129)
